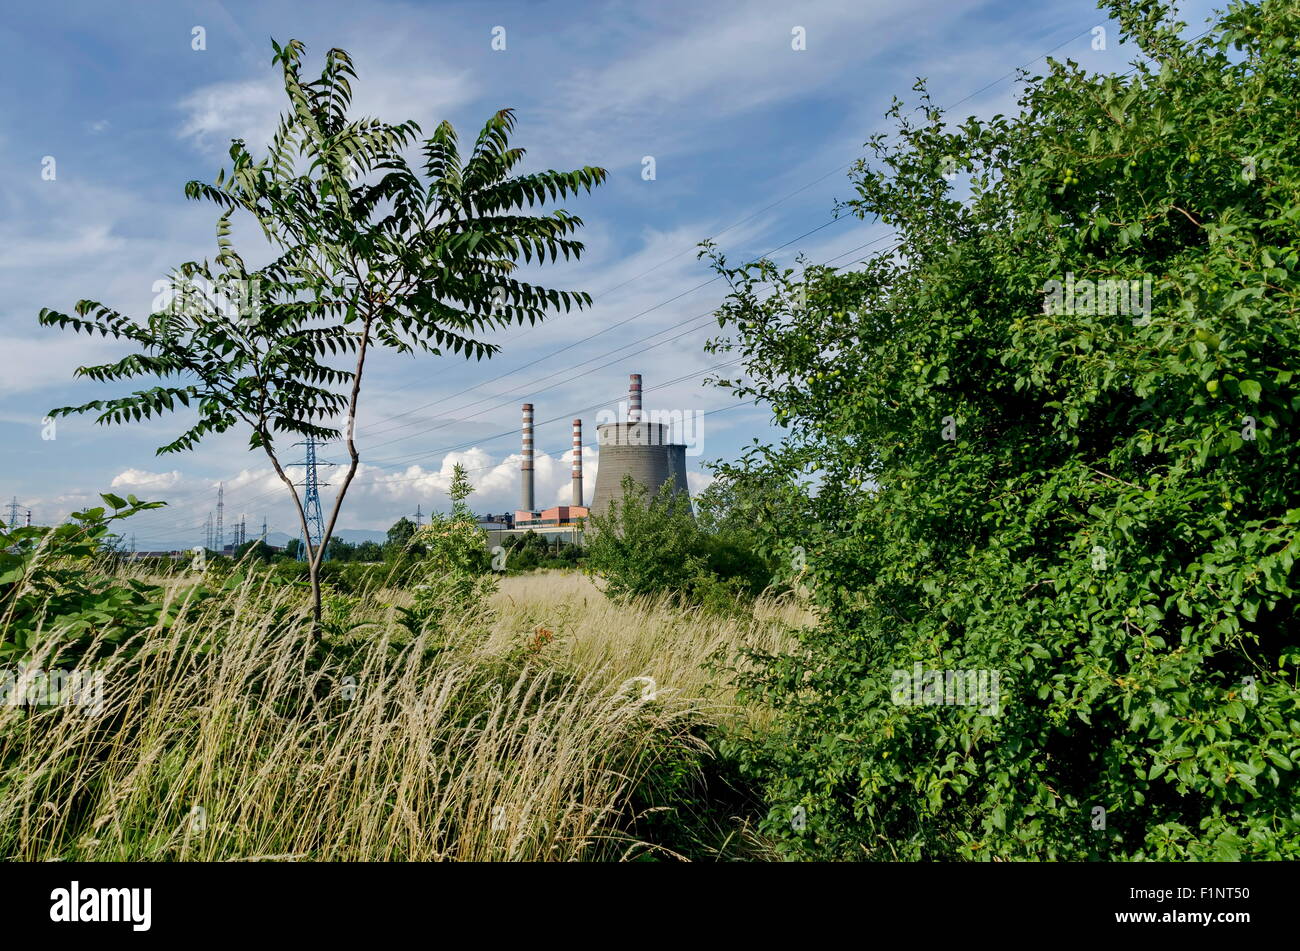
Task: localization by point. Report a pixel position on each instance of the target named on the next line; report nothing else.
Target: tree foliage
(368, 251)
(655, 545)
(57, 590)
(644, 544)
(400, 536)
(454, 575)
(1097, 505)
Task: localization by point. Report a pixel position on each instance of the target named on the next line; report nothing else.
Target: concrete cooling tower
(640, 449)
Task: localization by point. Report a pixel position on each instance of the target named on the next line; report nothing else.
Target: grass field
(554, 726)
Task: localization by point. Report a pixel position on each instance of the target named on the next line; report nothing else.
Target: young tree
(646, 544)
(459, 490)
(369, 551)
(455, 565)
(400, 535)
(260, 551)
(340, 550)
(370, 252)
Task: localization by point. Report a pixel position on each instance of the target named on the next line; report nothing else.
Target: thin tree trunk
(355, 460)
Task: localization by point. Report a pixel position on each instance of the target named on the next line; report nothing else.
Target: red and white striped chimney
(634, 399)
(526, 466)
(577, 462)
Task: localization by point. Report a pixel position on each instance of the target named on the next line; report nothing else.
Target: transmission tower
(207, 534)
(12, 521)
(311, 497)
(263, 529)
(243, 531)
(221, 514)
(418, 516)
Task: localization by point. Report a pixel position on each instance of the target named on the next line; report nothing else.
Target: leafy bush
(287, 571)
(352, 578)
(54, 581)
(364, 577)
(456, 580)
(531, 550)
(646, 545)
(649, 545)
(1099, 507)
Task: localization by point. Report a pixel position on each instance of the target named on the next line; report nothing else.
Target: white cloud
(86, 240)
(250, 109)
(715, 64)
(496, 483)
(140, 479)
(32, 364)
(697, 482)
(220, 112)
(68, 239)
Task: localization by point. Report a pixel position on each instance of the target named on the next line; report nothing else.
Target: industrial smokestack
(577, 462)
(634, 399)
(526, 467)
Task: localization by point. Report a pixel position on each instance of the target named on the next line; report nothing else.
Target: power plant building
(563, 520)
(640, 449)
(635, 447)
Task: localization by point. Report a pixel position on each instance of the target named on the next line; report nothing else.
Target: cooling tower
(639, 449)
(676, 456)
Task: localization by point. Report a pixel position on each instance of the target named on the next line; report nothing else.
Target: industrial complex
(634, 446)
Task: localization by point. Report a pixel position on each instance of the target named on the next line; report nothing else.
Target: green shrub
(56, 581)
(1099, 507)
(652, 545)
(455, 578)
(290, 571)
(646, 545)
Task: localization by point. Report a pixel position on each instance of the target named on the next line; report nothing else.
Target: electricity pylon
(311, 498)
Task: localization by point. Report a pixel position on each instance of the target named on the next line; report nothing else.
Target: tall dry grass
(522, 733)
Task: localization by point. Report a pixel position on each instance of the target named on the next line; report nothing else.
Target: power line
(561, 452)
(473, 442)
(566, 370)
(749, 217)
(605, 330)
(838, 169)
(566, 415)
(657, 333)
(389, 464)
(568, 377)
(510, 432)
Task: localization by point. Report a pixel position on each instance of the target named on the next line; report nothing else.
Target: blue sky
(751, 140)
